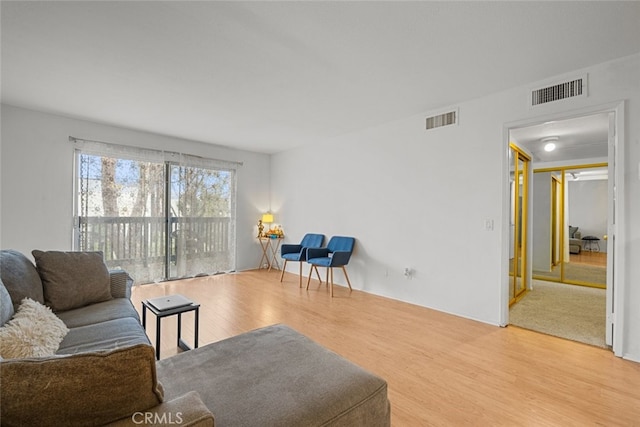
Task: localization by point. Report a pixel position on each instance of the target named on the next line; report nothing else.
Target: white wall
(588, 208)
(420, 199)
(37, 176)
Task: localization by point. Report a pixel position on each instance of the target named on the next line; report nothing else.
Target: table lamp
(266, 219)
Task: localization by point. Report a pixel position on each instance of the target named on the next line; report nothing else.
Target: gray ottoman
(275, 376)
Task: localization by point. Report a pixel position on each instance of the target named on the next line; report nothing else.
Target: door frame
(556, 225)
(520, 204)
(616, 241)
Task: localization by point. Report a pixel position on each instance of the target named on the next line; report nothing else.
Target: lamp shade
(267, 218)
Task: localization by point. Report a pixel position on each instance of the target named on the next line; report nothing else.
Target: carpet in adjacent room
(573, 312)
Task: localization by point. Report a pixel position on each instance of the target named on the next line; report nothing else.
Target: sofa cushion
(20, 277)
(116, 308)
(107, 335)
(73, 279)
(34, 331)
(79, 390)
(6, 305)
(276, 376)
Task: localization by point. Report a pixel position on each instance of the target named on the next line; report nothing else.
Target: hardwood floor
(442, 370)
(598, 259)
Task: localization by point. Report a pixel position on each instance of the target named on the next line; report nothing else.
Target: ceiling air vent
(444, 119)
(568, 89)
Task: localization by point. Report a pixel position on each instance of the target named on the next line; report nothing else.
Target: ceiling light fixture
(550, 143)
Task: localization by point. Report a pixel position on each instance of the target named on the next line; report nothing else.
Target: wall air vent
(445, 119)
(564, 90)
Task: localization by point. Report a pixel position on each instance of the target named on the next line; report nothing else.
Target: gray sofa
(103, 320)
(575, 240)
(104, 371)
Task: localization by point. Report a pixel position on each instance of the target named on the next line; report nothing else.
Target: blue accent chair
(298, 253)
(336, 254)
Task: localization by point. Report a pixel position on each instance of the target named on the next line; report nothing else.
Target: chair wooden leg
(300, 274)
(309, 278)
(331, 268)
(284, 267)
(313, 267)
(327, 280)
(347, 277)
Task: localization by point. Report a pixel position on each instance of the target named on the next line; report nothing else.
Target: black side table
(591, 243)
(170, 312)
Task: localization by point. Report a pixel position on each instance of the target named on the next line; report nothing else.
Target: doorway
(588, 137)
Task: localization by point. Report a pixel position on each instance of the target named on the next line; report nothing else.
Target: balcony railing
(143, 239)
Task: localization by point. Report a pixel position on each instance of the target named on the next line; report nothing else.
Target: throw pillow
(572, 232)
(6, 305)
(73, 279)
(20, 277)
(34, 331)
(81, 389)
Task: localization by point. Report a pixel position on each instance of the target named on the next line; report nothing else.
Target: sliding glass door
(200, 215)
(158, 218)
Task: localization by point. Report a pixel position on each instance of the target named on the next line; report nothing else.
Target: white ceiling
(583, 137)
(271, 76)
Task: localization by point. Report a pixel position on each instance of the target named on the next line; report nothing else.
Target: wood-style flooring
(442, 370)
(598, 259)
